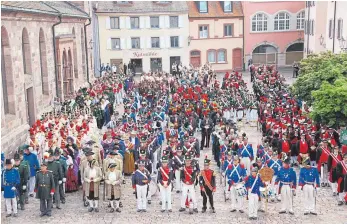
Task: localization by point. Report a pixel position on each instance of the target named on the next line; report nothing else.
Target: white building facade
(149, 35)
(325, 26)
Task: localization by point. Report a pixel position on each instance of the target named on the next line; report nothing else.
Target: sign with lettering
(145, 54)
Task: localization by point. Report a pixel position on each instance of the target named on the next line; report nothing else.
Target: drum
(241, 190)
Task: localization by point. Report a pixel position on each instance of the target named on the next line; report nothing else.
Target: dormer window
(124, 2)
(227, 5)
(203, 6)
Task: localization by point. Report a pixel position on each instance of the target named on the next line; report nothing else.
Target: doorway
(237, 59)
(173, 59)
(156, 65)
(136, 65)
(30, 105)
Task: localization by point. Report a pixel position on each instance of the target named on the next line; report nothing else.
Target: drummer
(253, 182)
(235, 174)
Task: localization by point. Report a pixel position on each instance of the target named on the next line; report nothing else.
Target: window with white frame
(300, 21)
(115, 43)
(135, 43)
(174, 41)
(211, 56)
(114, 22)
(259, 22)
(173, 21)
(339, 28)
(154, 20)
(135, 22)
(282, 21)
(228, 6)
(331, 29)
(221, 56)
(228, 30)
(203, 31)
(203, 6)
(155, 42)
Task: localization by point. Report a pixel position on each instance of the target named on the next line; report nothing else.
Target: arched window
(65, 74)
(43, 61)
(259, 22)
(75, 68)
(221, 56)
(282, 21)
(83, 52)
(6, 73)
(300, 20)
(211, 56)
(26, 52)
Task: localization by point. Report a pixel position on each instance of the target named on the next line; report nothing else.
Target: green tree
(330, 103)
(316, 69)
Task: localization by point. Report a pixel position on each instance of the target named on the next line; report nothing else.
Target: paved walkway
(74, 211)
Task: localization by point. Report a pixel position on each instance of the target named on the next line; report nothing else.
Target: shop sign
(145, 54)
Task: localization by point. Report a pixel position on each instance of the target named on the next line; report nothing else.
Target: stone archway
(265, 53)
(6, 74)
(294, 52)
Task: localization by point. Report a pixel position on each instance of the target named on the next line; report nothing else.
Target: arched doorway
(43, 61)
(264, 54)
(294, 53)
(237, 59)
(75, 53)
(6, 74)
(26, 53)
(195, 58)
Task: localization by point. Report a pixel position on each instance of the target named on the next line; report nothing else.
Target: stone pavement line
(74, 212)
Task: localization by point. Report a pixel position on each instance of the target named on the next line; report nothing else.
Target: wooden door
(237, 59)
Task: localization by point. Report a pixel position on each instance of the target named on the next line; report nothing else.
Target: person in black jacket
(341, 171)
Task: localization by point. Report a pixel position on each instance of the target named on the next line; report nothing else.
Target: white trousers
(333, 187)
(253, 115)
(253, 204)
(309, 200)
(324, 173)
(141, 192)
(31, 185)
(274, 187)
(185, 189)
(246, 161)
(248, 115)
(118, 98)
(155, 160)
(11, 204)
(178, 184)
(226, 188)
(287, 199)
(236, 201)
(165, 194)
(239, 114)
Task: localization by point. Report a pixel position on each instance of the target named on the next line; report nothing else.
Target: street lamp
(343, 45)
(321, 39)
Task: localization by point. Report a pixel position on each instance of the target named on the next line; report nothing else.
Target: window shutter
(127, 22)
(122, 43)
(180, 41)
(142, 22)
(108, 45)
(148, 22)
(167, 21)
(180, 21)
(129, 43)
(121, 22)
(149, 42)
(162, 42)
(108, 23)
(142, 43)
(330, 26)
(161, 22)
(167, 42)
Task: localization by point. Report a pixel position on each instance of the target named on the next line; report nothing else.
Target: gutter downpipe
(334, 26)
(86, 48)
(55, 55)
(307, 31)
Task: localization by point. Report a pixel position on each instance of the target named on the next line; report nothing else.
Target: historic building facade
(325, 26)
(149, 35)
(216, 34)
(31, 34)
(274, 32)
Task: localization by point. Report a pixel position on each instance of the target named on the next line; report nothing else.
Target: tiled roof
(56, 8)
(141, 6)
(215, 10)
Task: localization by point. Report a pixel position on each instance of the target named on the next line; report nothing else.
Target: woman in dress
(129, 161)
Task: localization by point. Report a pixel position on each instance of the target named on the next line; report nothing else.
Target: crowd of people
(90, 142)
